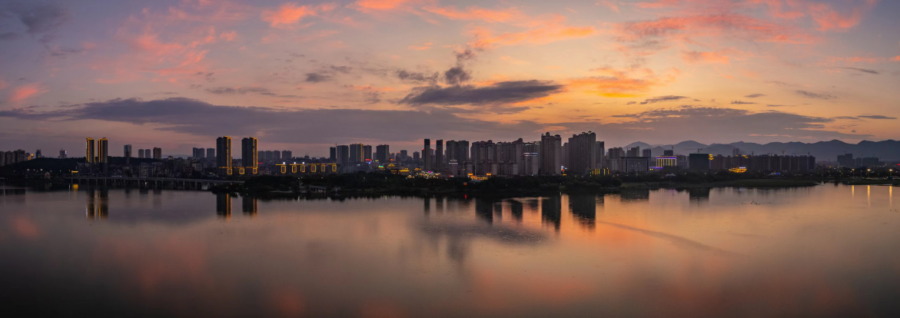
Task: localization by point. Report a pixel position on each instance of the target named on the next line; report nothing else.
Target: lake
(820, 251)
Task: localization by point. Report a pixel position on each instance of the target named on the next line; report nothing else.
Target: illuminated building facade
(666, 161)
(89, 150)
(367, 153)
(223, 157)
(102, 151)
(249, 155)
(356, 154)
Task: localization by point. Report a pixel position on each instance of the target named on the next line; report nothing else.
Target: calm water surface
(823, 251)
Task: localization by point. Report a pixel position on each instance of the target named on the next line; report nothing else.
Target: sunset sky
(305, 75)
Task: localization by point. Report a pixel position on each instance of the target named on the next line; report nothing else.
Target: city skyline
(174, 74)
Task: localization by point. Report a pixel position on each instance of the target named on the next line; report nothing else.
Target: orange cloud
(476, 13)
(290, 13)
(896, 59)
(609, 4)
(617, 83)
(539, 32)
(705, 57)
(381, 4)
(658, 4)
(22, 93)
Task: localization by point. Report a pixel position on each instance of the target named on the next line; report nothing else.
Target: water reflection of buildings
(223, 205)
(516, 209)
(484, 209)
(635, 195)
(584, 208)
(97, 205)
(551, 210)
(250, 205)
(699, 195)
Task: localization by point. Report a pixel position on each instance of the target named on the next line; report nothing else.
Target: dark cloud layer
(502, 92)
(316, 77)
(662, 99)
(754, 95)
(816, 95)
(863, 70)
(245, 90)
(325, 126)
(877, 117)
(40, 20)
(739, 102)
(456, 76)
(417, 77)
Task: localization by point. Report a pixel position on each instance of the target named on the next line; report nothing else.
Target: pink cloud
(420, 47)
(381, 4)
(476, 13)
(24, 92)
(290, 13)
(725, 24)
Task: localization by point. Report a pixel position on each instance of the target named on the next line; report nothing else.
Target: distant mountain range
(888, 150)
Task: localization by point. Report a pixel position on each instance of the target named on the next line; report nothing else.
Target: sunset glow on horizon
(304, 75)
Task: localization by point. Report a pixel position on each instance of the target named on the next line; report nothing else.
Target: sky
(306, 75)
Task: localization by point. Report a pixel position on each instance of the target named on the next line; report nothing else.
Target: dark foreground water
(823, 251)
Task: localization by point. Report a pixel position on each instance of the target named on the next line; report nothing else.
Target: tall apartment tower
(157, 153)
(89, 150)
(582, 153)
(367, 153)
(62, 154)
(439, 155)
(223, 155)
(383, 153)
(102, 150)
(550, 154)
(356, 153)
(342, 154)
(127, 154)
(210, 153)
(601, 154)
(148, 154)
(250, 155)
(332, 154)
(426, 155)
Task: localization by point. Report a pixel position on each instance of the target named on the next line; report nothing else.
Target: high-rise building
(274, 155)
(382, 153)
(141, 153)
(102, 150)
(198, 153)
(367, 153)
(127, 153)
(332, 156)
(223, 158)
(439, 155)
(287, 155)
(699, 162)
(157, 153)
(426, 155)
(63, 154)
(647, 153)
(582, 150)
(404, 155)
(550, 154)
(356, 153)
(38, 154)
(148, 154)
(250, 155)
(601, 154)
(89, 150)
(211, 153)
(634, 152)
(416, 157)
(669, 153)
(343, 155)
